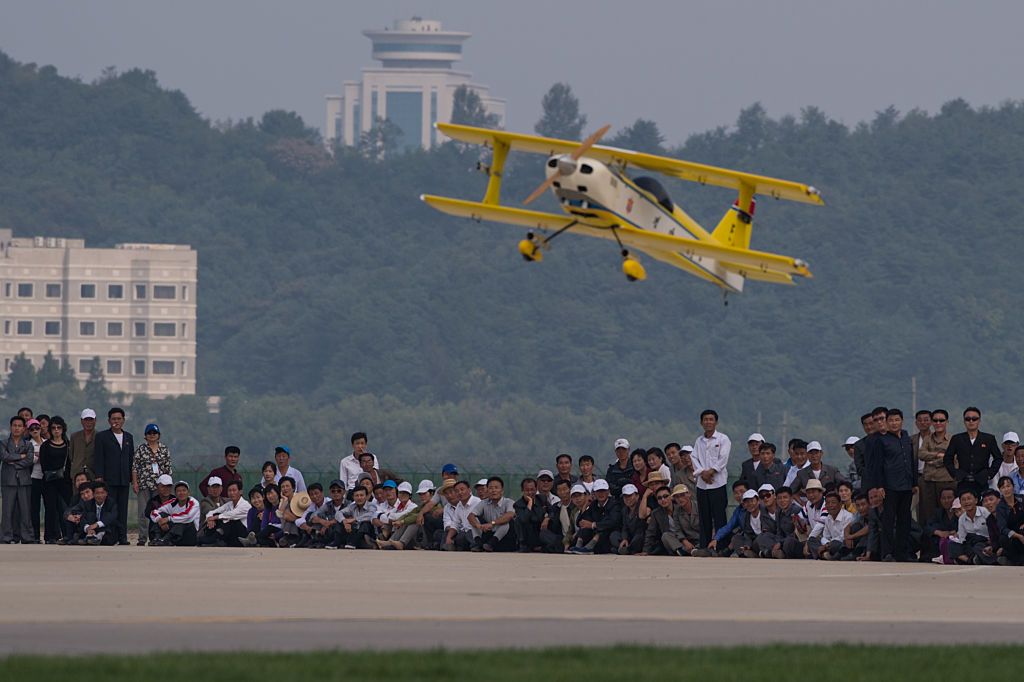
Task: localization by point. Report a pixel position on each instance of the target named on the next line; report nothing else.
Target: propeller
(567, 164)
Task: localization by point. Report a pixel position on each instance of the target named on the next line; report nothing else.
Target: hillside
(323, 279)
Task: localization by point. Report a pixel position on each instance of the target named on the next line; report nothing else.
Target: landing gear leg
(631, 267)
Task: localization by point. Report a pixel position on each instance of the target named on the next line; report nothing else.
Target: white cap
(214, 480)
(852, 440)
(545, 472)
(756, 436)
(813, 445)
(164, 479)
(629, 489)
(88, 413)
(686, 448)
(750, 494)
(622, 443)
(1011, 437)
(765, 487)
(405, 487)
(600, 484)
(426, 485)
(578, 489)
(482, 481)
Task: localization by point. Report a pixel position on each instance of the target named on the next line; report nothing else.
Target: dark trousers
(528, 534)
(224, 534)
(37, 506)
(178, 534)
(504, 544)
(16, 514)
(711, 509)
(54, 505)
(604, 541)
(120, 495)
(896, 524)
(354, 537)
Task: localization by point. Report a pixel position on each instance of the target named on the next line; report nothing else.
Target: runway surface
(135, 600)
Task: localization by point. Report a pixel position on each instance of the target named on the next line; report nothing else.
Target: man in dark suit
(100, 523)
(972, 457)
(16, 483)
(114, 454)
(889, 464)
(750, 466)
(771, 470)
(826, 473)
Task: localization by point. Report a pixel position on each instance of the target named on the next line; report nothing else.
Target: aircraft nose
(566, 166)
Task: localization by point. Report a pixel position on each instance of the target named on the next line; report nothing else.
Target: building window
(52, 328)
(184, 330)
(24, 327)
(163, 367)
(88, 291)
(115, 328)
(163, 329)
(7, 289)
(433, 117)
(184, 368)
(184, 292)
(113, 366)
(87, 329)
(373, 109)
(52, 290)
(25, 289)
(405, 110)
(139, 368)
(85, 366)
(115, 291)
(140, 330)
(164, 291)
(140, 292)
(7, 326)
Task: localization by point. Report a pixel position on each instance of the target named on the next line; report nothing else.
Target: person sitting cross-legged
(73, 516)
(491, 520)
(163, 494)
(99, 518)
(826, 538)
(225, 525)
(629, 539)
(673, 527)
(355, 527)
(601, 518)
(531, 512)
(177, 520)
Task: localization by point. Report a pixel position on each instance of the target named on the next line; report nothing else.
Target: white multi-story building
(413, 88)
(133, 306)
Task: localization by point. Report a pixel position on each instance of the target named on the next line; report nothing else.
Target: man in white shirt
(467, 501)
(798, 457)
(711, 468)
(348, 468)
(283, 457)
(1009, 464)
(826, 540)
(225, 525)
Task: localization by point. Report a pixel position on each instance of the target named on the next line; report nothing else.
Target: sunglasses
(765, 494)
(35, 428)
(663, 497)
(972, 419)
(938, 421)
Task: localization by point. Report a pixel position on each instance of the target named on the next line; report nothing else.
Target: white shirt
(462, 512)
(793, 471)
(37, 468)
(349, 470)
(294, 474)
(831, 529)
(120, 438)
(1005, 469)
(229, 511)
(814, 516)
(711, 453)
(976, 526)
(755, 523)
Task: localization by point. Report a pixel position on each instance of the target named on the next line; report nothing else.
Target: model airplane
(600, 200)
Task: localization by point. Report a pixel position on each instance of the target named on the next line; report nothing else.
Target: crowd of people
(926, 496)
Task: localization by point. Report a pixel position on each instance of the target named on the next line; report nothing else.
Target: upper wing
(745, 261)
(684, 170)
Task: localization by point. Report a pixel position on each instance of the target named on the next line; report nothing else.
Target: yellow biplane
(600, 200)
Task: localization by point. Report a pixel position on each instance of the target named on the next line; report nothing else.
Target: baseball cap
(578, 489)
(813, 445)
(600, 484)
(184, 483)
(814, 484)
(629, 489)
(622, 443)
(337, 483)
(164, 479)
(284, 449)
(389, 484)
(405, 487)
(88, 413)
(449, 469)
(545, 472)
(151, 428)
(766, 487)
(1011, 437)
(32, 422)
(482, 481)
(680, 489)
(214, 480)
(426, 485)
(364, 477)
(852, 440)
(750, 495)
(755, 436)
(686, 448)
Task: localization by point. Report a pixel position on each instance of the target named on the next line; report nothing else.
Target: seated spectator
(774, 524)
(307, 533)
(556, 535)
(213, 499)
(855, 537)
(456, 532)
(530, 513)
(225, 525)
(638, 462)
(876, 500)
(254, 519)
(164, 493)
(99, 524)
(449, 472)
(177, 520)
(587, 477)
(286, 511)
(672, 528)
(770, 471)
(629, 539)
(400, 520)
(656, 462)
(355, 530)
(826, 539)
(845, 490)
(602, 517)
(321, 522)
(971, 538)
(940, 527)
(491, 520)
(269, 473)
(814, 506)
(481, 488)
(579, 500)
(73, 534)
(647, 504)
(743, 541)
(721, 543)
(228, 472)
(270, 522)
(563, 467)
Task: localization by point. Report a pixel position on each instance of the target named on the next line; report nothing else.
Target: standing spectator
(16, 485)
(100, 517)
(934, 477)
(797, 462)
(826, 473)
(889, 464)
(971, 458)
(53, 458)
(563, 465)
(152, 460)
(35, 439)
(83, 445)
(923, 424)
(1009, 464)
(620, 472)
(770, 471)
(852, 474)
(229, 472)
(115, 452)
(348, 468)
(869, 422)
(491, 520)
(283, 457)
(750, 466)
(711, 466)
(641, 476)
(1018, 476)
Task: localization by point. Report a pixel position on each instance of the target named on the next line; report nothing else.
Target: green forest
(332, 300)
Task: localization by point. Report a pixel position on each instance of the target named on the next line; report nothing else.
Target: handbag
(55, 475)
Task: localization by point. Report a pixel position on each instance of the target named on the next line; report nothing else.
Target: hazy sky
(689, 66)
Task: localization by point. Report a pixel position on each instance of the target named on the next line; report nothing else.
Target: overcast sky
(688, 66)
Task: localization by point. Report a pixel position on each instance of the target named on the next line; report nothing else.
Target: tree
(381, 140)
(562, 117)
(642, 136)
(280, 123)
(22, 377)
(96, 391)
(468, 109)
(51, 373)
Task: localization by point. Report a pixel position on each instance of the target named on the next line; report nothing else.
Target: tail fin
(734, 227)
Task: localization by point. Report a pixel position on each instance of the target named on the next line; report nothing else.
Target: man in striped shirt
(177, 519)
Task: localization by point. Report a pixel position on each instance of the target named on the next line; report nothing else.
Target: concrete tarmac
(140, 599)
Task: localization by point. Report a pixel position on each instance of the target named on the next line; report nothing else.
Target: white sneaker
(938, 560)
